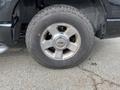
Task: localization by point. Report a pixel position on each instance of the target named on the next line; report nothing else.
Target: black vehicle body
(16, 14)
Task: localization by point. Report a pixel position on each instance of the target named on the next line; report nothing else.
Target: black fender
(7, 8)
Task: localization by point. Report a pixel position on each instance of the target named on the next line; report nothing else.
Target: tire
(55, 14)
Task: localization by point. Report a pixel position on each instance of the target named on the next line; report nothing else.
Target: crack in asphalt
(95, 84)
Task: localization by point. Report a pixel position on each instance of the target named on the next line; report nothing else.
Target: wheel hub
(60, 42)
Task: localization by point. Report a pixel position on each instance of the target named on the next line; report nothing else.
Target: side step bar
(3, 48)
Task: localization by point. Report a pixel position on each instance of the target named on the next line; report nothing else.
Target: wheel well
(92, 9)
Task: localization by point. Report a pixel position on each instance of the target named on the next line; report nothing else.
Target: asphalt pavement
(101, 71)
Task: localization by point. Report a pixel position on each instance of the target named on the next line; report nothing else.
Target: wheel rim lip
(67, 56)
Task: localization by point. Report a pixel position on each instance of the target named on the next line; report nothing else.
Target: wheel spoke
(47, 44)
(59, 54)
(72, 47)
(53, 30)
(70, 32)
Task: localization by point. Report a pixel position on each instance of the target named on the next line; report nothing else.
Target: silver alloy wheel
(60, 41)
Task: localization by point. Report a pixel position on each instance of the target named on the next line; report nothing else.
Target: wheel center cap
(61, 42)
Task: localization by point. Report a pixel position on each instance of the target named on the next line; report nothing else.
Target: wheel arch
(97, 10)
(96, 13)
